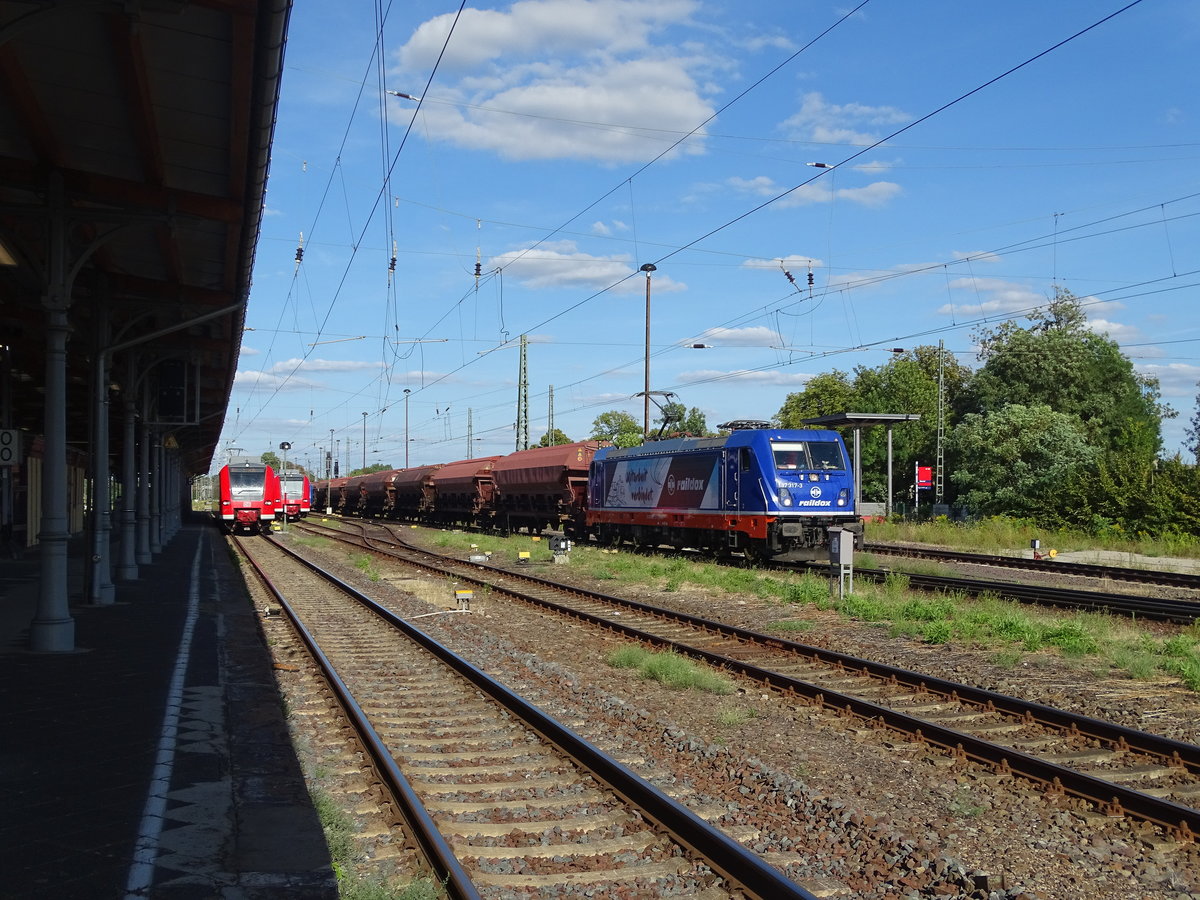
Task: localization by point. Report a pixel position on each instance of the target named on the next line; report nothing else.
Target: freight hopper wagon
(248, 497)
(766, 492)
(330, 496)
(464, 493)
(545, 488)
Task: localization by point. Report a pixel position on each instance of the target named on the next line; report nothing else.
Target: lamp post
(647, 268)
(364, 440)
(285, 447)
(329, 476)
(406, 393)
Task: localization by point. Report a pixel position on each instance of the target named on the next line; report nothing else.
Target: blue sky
(561, 144)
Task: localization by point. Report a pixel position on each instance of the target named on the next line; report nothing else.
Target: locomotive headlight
(843, 496)
(785, 498)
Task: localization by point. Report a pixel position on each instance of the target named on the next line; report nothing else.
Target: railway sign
(10, 447)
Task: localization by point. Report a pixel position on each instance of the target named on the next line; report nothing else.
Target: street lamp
(329, 476)
(364, 440)
(647, 268)
(406, 393)
(285, 447)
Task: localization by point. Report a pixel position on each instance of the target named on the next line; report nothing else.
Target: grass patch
(339, 833)
(344, 854)
(670, 669)
(998, 533)
(365, 564)
(735, 716)
(314, 541)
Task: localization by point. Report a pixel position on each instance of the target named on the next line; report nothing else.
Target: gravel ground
(1003, 837)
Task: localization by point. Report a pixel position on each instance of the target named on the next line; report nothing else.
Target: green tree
(1018, 461)
(272, 460)
(553, 439)
(373, 467)
(823, 395)
(678, 419)
(907, 383)
(1060, 363)
(619, 428)
(1193, 431)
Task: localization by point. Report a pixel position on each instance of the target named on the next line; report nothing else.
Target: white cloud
(833, 123)
(793, 261)
(825, 190)
(323, 365)
(744, 376)
(247, 379)
(249, 351)
(563, 79)
(559, 264)
(1174, 379)
(754, 336)
(1115, 330)
(991, 296)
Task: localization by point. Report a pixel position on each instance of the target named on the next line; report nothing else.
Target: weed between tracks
(671, 669)
(344, 856)
(1011, 630)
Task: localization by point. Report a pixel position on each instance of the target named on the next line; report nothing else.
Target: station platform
(154, 760)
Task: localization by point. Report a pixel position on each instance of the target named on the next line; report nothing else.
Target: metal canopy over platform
(858, 421)
(135, 140)
(134, 144)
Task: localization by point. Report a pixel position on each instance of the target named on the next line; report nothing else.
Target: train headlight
(785, 498)
(843, 496)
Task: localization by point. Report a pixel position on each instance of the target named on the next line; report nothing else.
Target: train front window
(246, 484)
(826, 455)
(808, 456)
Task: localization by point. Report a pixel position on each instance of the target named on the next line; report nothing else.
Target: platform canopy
(858, 421)
(134, 145)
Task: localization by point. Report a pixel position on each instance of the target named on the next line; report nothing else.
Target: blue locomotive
(767, 492)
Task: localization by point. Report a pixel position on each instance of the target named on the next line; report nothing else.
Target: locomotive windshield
(246, 484)
(808, 456)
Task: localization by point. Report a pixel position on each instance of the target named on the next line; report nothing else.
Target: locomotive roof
(739, 438)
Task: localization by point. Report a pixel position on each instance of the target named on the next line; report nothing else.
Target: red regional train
(295, 491)
(248, 496)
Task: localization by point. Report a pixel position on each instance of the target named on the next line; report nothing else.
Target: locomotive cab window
(808, 456)
(246, 483)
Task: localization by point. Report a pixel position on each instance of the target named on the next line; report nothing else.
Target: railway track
(1182, 612)
(1121, 771)
(501, 799)
(1186, 580)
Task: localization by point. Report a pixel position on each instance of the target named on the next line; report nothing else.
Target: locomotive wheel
(755, 552)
